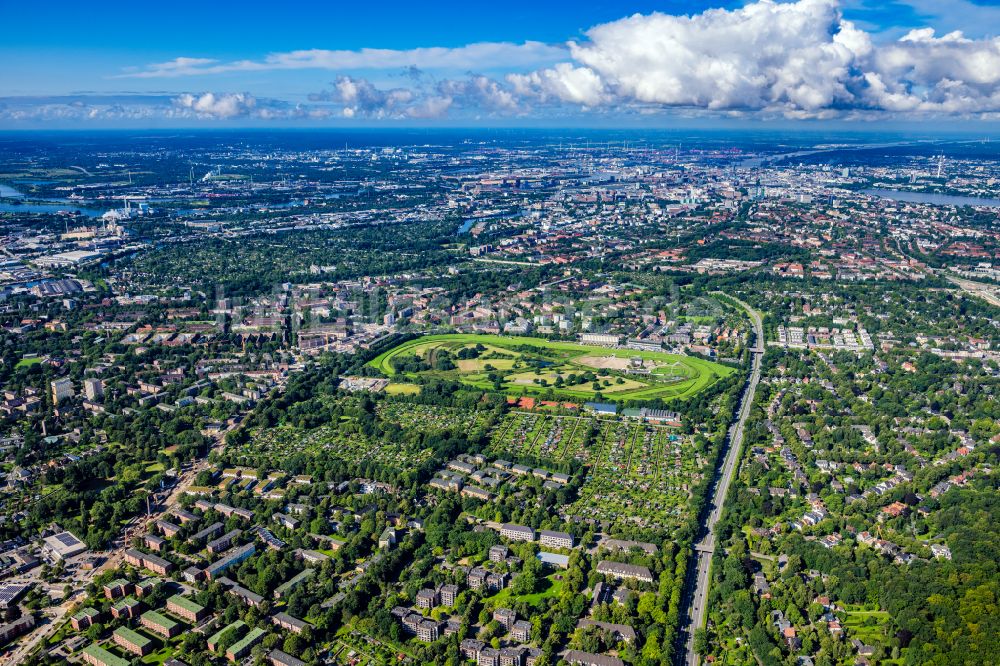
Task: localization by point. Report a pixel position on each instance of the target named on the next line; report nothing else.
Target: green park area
(535, 366)
(548, 588)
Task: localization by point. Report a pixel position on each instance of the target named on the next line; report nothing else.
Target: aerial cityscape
(576, 334)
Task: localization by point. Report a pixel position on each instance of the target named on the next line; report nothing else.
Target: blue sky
(331, 63)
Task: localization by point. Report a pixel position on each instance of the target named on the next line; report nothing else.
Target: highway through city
(694, 603)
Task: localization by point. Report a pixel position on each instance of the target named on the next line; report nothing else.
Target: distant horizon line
(923, 127)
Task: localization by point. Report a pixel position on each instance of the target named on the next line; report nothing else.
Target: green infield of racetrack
(689, 375)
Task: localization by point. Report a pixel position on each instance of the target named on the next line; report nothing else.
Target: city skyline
(595, 64)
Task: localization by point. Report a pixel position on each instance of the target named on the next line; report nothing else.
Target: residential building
(429, 630)
(85, 618)
(520, 631)
(278, 658)
(589, 659)
(506, 617)
(470, 648)
(132, 641)
(186, 609)
(556, 539)
(160, 624)
(223, 542)
(622, 570)
(93, 388)
(448, 593)
(242, 647)
(488, 657)
(116, 588)
(498, 553)
(95, 655)
(427, 598)
(126, 608)
(234, 557)
(517, 532)
(289, 623)
(62, 389)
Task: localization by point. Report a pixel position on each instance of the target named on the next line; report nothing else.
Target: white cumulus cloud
(217, 105)
(361, 98)
(800, 59)
(947, 74)
(765, 55)
(797, 59)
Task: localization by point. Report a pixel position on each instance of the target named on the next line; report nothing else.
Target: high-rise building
(62, 389)
(93, 388)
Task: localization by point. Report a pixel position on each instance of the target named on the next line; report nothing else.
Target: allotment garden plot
(432, 418)
(639, 475)
(523, 365)
(542, 436)
(272, 446)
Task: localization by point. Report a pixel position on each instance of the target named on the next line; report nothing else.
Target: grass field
(868, 626)
(402, 389)
(523, 365)
(551, 587)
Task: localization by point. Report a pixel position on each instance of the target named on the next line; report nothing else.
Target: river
(933, 198)
(472, 221)
(42, 205)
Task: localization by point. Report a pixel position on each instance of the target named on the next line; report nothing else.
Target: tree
(701, 643)
(293, 644)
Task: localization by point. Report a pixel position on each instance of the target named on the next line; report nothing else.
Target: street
(697, 580)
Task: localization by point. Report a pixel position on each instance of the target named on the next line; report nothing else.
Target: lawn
(867, 626)
(159, 656)
(552, 588)
(524, 365)
(402, 389)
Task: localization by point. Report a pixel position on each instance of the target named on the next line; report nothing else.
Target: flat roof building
(234, 557)
(63, 545)
(85, 618)
(242, 647)
(235, 628)
(132, 641)
(185, 608)
(160, 624)
(95, 655)
(127, 607)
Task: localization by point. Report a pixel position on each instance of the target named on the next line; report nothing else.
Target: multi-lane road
(695, 598)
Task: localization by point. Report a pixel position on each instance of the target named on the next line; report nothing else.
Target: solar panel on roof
(67, 539)
(9, 593)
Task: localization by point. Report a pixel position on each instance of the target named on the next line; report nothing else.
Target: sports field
(523, 365)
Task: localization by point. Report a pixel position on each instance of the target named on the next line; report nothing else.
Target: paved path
(694, 603)
(115, 556)
(52, 619)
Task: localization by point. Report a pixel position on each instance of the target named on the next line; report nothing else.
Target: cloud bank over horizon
(784, 60)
